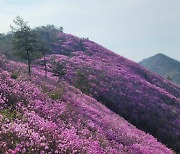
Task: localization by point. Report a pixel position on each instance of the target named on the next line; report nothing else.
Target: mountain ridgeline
(146, 100)
(164, 66)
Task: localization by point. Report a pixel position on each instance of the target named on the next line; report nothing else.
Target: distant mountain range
(164, 66)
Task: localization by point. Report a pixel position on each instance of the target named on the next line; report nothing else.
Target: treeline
(25, 44)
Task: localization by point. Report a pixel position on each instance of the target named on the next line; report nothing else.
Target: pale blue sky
(135, 29)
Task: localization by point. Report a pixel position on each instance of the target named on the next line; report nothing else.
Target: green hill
(164, 66)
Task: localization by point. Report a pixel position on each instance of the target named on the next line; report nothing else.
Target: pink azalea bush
(32, 122)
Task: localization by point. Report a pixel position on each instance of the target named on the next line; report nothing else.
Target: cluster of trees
(1, 36)
(6, 46)
(31, 44)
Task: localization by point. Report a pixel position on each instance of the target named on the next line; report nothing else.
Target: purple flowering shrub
(72, 123)
(147, 100)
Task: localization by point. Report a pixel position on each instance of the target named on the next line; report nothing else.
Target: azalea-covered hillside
(47, 116)
(146, 100)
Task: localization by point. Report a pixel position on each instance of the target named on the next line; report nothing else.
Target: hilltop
(164, 66)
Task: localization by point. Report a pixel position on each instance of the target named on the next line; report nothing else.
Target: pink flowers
(76, 124)
(143, 98)
(32, 121)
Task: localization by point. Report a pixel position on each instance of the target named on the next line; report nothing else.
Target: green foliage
(12, 100)
(81, 44)
(56, 94)
(41, 39)
(25, 42)
(2, 36)
(6, 46)
(14, 75)
(11, 114)
(58, 69)
(81, 82)
(47, 35)
(165, 66)
(11, 138)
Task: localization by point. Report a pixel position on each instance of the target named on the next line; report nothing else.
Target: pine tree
(58, 69)
(43, 50)
(24, 41)
(47, 36)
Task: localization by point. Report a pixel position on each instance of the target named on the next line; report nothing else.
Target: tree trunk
(45, 65)
(29, 64)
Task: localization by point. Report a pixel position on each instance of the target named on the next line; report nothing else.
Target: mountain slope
(164, 66)
(44, 116)
(145, 99)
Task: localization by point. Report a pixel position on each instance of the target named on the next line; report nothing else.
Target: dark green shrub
(82, 83)
(11, 114)
(56, 94)
(14, 75)
(58, 69)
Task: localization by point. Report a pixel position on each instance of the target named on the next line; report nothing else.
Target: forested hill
(164, 66)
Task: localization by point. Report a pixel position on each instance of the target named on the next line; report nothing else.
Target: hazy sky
(135, 29)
